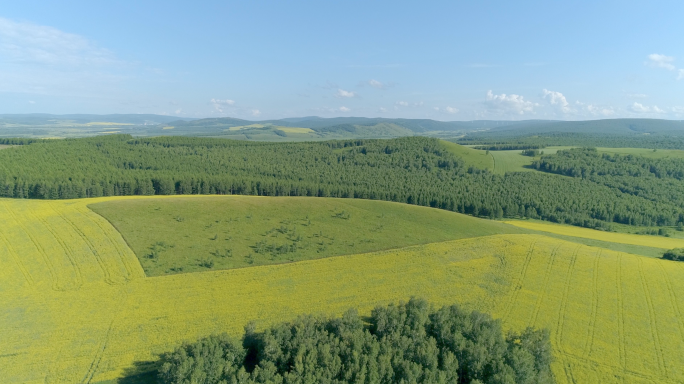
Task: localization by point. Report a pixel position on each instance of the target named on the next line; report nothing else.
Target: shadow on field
(142, 372)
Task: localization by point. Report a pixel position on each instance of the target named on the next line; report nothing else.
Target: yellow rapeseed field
(75, 306)
(623, 238)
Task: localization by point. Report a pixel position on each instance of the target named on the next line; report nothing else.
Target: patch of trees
(532, 152)
(405, 343)
(413, 170)
(676, 254)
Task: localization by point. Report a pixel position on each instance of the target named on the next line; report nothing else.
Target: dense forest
(651, 179)
(405, 343)
(413, 170)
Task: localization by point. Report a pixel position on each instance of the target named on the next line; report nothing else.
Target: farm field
(472, 157)
(77, 306)
(624, 238)
(223, 232)
(4, 146)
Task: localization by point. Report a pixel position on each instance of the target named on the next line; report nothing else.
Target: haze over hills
(544, 132)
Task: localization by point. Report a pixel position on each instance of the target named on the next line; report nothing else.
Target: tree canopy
(406, 343)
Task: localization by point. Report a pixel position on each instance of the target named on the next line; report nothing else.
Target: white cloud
(219, 105)
(24, 42)
(451, 110)
(503, 103)
(255, 112)
(31, 102)
(681, 74)
(402, 104)
(640, 108)
(661, 61)
(435, 108)
(344, 109)
(343, 93)
(178, 111)
(678, 110)
(557, 99)
(382, 109)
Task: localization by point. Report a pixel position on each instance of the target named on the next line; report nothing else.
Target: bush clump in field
(676, 254)
(405, 343)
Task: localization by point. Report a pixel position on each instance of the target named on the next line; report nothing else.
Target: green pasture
(472, 157)
(188, 234)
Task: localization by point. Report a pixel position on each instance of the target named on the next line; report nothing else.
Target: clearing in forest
(76, 307)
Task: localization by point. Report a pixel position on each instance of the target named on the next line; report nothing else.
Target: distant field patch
(98, 123)
(624, 238)
(472, 157)
(295, 130)
(168, 127)
(198, 233)
(241, 127)
(2, 146)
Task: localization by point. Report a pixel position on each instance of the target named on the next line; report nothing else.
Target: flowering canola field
(75, 306)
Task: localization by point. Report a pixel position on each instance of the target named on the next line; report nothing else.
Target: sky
(442, 60)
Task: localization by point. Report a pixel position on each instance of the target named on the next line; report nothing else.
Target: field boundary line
(564, 299)
(56, 286)
(518, 284)
(621, 316)
(589, 345)
(100, 262)
(85, 211)
(67, 249)
(545, 286)
(652, 319)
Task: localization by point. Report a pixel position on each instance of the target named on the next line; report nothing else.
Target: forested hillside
(408, 343)
(413, 170)
(651, 179)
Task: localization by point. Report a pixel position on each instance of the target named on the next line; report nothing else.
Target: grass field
(5, 146)
(472, 157)
(77, 308)
(189, 234)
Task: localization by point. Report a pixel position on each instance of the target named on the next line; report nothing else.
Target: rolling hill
(79, 307)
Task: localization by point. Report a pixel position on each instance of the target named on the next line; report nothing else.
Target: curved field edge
(180, 234)
(623, 238)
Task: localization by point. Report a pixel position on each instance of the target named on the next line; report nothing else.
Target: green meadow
(190, 234)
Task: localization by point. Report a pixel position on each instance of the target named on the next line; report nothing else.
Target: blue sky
(444, 60)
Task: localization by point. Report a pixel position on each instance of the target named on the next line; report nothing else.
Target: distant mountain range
(315, 128)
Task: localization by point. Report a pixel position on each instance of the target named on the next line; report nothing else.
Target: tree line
(405, 343)
(413, 170)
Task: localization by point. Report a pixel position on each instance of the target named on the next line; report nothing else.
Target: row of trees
(405, 343)
(412, 170)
